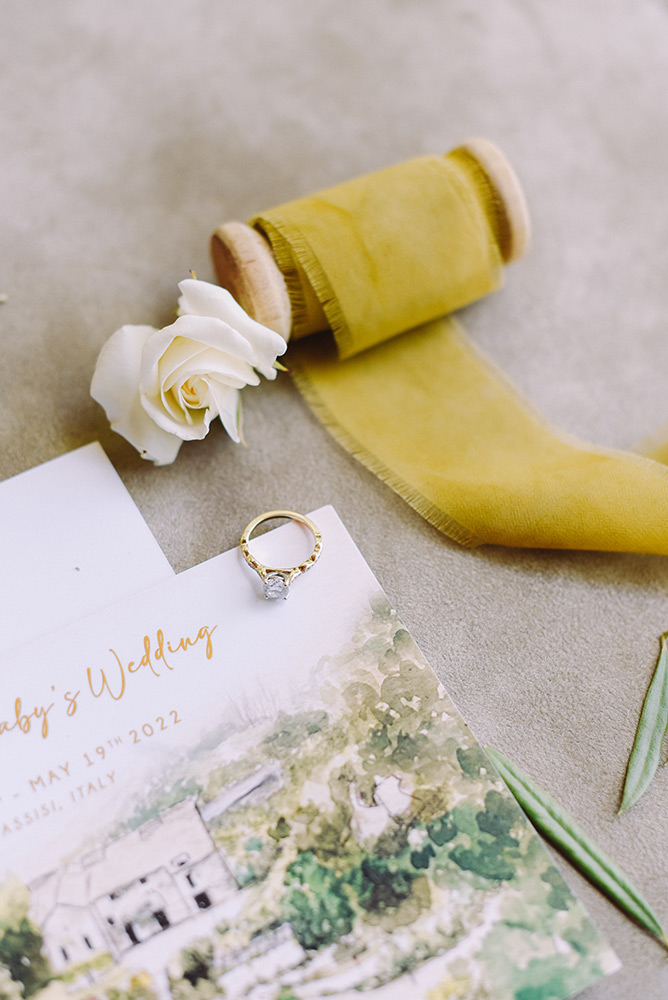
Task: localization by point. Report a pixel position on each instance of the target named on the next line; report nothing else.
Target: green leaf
(570, 840)
(652, 727)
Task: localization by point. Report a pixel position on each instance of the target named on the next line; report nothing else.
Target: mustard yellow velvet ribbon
(424, 410)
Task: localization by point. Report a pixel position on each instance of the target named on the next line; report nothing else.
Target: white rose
(162, 387)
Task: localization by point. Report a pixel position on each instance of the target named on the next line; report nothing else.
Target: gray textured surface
(128, 131)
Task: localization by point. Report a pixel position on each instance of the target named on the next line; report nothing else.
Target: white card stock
(71, 542)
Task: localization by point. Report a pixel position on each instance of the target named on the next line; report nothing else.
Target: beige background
(128, 131)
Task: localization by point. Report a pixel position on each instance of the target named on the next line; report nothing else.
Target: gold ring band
(276, 580)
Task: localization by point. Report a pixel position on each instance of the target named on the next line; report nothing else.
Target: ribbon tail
(435, 420)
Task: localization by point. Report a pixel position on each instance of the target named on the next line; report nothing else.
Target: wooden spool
(246, 266)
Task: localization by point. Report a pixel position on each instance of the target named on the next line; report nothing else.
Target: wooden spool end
(506, 183)
(246, 266)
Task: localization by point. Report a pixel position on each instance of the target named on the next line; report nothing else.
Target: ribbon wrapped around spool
(381, 261)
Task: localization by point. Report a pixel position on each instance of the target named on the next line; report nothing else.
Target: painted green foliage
(492, 856)
(316, 904)
(403, 819)
(482, 844)
(27, 970)
(21, 954)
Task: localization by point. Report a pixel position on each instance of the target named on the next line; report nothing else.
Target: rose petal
(204, 331)
(193, 429)
(227, 403)
(115, 385)
(209, 362)
(179, 352)
(182, 410)
(202, 298)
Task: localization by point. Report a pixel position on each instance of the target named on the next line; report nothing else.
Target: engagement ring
(276, 582)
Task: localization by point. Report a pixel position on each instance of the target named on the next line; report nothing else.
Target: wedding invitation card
(72, 541)
(208, 794)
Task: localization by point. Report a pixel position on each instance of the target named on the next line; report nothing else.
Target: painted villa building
(123, 893)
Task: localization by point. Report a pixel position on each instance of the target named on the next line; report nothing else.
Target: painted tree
(21, 954)
(316, 903)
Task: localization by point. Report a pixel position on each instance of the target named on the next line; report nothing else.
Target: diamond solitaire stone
(275, 587)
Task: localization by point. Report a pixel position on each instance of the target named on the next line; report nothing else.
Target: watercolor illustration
(354, 841)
